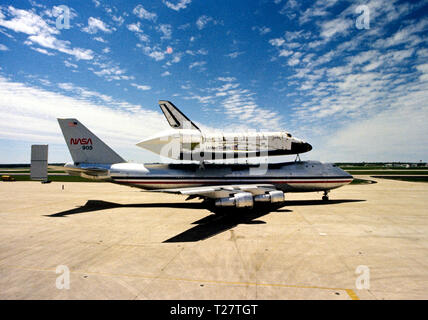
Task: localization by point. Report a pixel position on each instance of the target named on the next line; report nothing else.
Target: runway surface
(121, 243)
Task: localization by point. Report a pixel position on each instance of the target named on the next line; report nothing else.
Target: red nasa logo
(86, 143)
(82, 141)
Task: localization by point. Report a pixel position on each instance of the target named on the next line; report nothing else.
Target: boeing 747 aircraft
(237, 185)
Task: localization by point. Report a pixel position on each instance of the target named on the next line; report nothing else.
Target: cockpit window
(289, 135)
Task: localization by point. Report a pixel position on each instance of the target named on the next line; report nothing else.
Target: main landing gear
(325, 196)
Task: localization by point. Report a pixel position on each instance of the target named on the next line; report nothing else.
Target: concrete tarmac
(121, 243)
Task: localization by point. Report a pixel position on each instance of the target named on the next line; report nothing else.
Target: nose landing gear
(325, 196)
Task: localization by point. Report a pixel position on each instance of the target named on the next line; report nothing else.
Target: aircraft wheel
(324, 198)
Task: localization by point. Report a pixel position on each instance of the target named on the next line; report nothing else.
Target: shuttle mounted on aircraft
(187, 142)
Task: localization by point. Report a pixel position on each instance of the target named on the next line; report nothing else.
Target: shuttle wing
(221, 191)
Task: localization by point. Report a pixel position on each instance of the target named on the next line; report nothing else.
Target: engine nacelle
(272, 196)
(244, 200)
(225, 202)
(262, 198)
(276, 196)
(239, 200)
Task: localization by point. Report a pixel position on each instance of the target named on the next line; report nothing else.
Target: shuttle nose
(307, 147)
(301, 147)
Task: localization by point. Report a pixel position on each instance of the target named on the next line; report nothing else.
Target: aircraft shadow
(299, 203)
(224, 219)
(97, 205)
(220, 221)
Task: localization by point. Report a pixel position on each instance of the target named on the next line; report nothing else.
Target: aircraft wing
(221, 191)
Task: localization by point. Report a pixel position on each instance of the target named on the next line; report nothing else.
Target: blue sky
(356, 94)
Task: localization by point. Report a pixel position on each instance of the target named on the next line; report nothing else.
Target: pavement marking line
(350, 292)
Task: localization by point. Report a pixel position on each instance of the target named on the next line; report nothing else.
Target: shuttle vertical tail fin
(84, 146)
(175, 117)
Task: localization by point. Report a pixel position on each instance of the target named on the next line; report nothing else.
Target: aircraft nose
(301, 147)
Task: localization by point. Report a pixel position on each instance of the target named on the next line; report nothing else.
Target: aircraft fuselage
(299, 176)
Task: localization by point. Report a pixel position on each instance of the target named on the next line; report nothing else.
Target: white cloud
(396, 134)
(405, 35)
(226, 79)
(238, 104)
(197, 64)
(69, 64)
(180, 4)
(285, 53)
(43, 51)
(56, 11)
(319, 9)
(177, 58)
(84, 93)
(141, 87)
(203, 21)
(116, 122)
(26, 22)
(277, 42)
(53, 43)
(203, 52)
(110, 72)
(423, 68)
(95, 25)
(119, 20)
(235, 54)
(166, 30)
(40, 33)
(335, 27)
(142, 13)
(136, 28)
(154, 53)
(166, 74)
(262, 30)
(100, 39)
(3, 47)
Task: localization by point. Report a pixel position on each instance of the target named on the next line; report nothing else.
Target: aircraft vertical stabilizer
(84, 146)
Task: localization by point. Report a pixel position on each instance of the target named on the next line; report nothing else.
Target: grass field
(380, 168)
(386, 172)
(404, 178)
(55, 178)
(401, 174)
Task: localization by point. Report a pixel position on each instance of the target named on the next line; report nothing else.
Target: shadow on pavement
(221, 219)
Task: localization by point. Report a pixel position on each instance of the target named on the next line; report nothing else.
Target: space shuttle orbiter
(187, 142)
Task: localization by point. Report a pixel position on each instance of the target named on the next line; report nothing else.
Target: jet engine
(239, 200)
(272, 196)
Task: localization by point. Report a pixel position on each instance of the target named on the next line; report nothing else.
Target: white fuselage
(304, 176)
